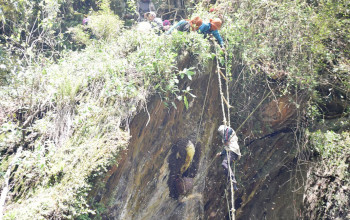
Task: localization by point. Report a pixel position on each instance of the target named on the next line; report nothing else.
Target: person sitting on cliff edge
(231, 151)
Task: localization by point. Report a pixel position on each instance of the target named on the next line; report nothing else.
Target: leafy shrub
(105, 26)
(330, 145)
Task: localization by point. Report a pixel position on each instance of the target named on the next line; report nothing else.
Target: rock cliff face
(147, 183)
(327, 194)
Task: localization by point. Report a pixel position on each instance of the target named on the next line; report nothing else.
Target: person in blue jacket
(212, 28)
(187, 25)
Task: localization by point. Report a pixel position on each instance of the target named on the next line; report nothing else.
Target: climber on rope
(231, 151)
(213, 28)
(186, 25)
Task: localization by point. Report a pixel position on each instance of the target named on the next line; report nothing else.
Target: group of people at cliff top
(146, 12)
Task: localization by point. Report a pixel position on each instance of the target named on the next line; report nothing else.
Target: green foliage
(102, 25)
(62, 161)
(81, 35)
(105, 25)
(301, 45)
(31, 29)
(330, 145)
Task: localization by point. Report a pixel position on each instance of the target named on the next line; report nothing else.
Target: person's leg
(228, 156)
(224, 164)
(234, 157)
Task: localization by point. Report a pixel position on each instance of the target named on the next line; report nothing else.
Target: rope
(222, 104)
(232, 210)
(228, 205)
(228, 94)
(220, 87)
(200, 120)
(211, 162)
(226, 122)
(200, 123)
(223, 76)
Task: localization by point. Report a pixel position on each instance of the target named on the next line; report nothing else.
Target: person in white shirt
(231, 151)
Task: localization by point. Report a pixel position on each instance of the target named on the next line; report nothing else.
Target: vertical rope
(228, 205)
(232, 210)
(205, 100)
(227, 92)
(220, 87)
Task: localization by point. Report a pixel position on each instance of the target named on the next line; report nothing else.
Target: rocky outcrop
(149, 184)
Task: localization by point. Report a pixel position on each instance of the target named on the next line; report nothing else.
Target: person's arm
(218, 38)
(175, 26)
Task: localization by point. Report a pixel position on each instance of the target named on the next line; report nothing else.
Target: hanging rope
(222, 104)
(199, 126)
(226, 122)
(228, 205)
(232, 210)
(222, 98)
(220, 88)
(227, 93)
(205, 100)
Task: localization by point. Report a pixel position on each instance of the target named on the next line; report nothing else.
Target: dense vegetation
(68, 92)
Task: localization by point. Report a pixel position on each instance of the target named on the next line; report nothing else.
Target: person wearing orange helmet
(187, 25)
(212, 28)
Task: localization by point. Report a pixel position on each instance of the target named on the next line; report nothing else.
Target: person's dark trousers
(229, 156)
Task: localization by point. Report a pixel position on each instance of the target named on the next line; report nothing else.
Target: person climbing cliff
(144, 6)
(187, 25)
(231, 151)
(213, 28)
